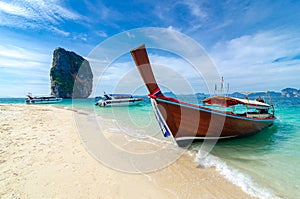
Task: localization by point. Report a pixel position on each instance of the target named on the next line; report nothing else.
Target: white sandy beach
(41, 156)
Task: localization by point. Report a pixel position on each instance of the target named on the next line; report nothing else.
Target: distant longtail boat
(189, 122)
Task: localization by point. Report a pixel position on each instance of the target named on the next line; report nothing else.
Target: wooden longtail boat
(190, 122)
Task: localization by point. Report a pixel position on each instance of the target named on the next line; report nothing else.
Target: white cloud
(171, 72)
(80, 36)
(248, 61)
(130, 35)
(195, 8)
(101, 33)
(14, 10)
(61, 32)
(24, 69)
(10, 55)
(42, 14)
(171, 28)
(177, 64)
(186, 16)
(102, 13)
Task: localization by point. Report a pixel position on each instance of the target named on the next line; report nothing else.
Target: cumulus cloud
(252, 59)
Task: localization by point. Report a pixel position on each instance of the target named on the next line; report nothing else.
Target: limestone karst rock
(70, 75)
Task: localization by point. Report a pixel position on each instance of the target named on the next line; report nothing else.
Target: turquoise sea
(266, 165)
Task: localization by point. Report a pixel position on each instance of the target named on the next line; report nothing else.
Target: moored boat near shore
(190, 122)
(42, 99)
(117, 100)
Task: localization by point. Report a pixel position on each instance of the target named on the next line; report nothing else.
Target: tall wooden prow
(142, 62)
(162, 113)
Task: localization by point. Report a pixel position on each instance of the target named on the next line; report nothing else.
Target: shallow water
(270, 159)
(265, 165)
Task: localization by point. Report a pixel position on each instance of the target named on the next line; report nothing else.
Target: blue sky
(254, 44)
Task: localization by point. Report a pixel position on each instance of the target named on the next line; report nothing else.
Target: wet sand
(42, 156)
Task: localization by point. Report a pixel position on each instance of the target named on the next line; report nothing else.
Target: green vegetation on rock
(65, 81)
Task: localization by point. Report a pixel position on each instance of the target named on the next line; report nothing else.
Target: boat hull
(195, 122)
(120, 102)
(43, 101)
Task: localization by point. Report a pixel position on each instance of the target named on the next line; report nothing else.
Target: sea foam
(233, 175)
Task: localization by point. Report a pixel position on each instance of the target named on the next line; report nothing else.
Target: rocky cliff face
(70, 75)
(290, 92)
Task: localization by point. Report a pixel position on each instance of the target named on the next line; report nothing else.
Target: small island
(71, 75)
(290, 92)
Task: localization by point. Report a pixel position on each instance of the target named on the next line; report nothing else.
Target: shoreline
(42, 156)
